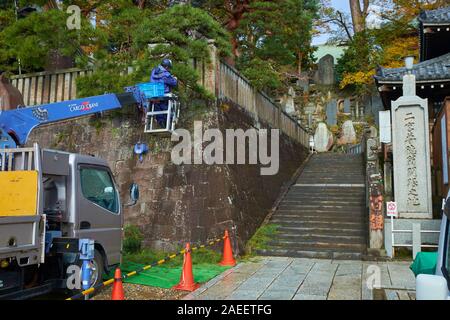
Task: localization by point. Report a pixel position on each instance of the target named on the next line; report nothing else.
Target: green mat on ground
(425, 263)
(167, 277)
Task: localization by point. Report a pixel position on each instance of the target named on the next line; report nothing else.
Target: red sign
(392, 210)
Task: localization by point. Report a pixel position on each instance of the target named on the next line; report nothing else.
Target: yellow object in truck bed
(18, 193)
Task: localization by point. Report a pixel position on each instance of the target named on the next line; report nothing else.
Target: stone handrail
(231, 85)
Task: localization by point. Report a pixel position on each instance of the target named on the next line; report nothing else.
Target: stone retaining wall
(178, 203)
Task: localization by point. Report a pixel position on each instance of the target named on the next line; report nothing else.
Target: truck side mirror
(134, 194)
(429, 287)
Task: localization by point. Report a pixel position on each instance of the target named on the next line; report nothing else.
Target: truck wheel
(97, 268)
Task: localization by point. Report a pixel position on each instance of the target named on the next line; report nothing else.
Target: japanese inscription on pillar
(411, 148)
(411, 157)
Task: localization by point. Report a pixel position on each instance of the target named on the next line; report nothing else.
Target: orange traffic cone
(227, 259)
(187, 277)
(117, 291)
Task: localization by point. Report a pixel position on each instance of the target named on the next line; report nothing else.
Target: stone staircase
(323, 215)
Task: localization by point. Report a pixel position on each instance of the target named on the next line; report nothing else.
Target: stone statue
(10, 96)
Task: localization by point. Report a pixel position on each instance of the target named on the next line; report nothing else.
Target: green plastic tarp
(166, 277)
(425, 263)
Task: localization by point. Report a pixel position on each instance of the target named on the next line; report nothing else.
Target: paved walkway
(273, 278)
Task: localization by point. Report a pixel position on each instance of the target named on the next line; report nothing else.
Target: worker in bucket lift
(162, 74)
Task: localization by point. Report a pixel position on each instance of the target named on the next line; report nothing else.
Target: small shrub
(133, 239)
(201, 256)
(260, 239)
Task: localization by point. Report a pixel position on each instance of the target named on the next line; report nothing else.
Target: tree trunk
(359, 14)
(235, 11)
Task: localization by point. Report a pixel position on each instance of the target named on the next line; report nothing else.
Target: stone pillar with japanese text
(411, 151)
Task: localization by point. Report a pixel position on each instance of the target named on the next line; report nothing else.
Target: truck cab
(437, 287)
(49, 201)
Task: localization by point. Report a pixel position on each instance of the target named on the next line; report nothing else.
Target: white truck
(49, 201)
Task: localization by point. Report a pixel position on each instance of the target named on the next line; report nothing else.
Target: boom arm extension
(16, 125)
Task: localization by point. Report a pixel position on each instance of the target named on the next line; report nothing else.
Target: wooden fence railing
(48, 87)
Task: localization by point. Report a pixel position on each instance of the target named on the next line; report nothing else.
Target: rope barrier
(147, 267)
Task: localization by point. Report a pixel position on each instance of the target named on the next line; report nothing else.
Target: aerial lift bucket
(171, 115)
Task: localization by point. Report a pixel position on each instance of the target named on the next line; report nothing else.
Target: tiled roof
(437, 69)
(435, 17)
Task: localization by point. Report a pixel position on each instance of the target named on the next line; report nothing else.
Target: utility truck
(50, 200)
(57, 209)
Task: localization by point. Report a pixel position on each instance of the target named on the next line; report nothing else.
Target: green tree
(34, 38)
(180, 33)
(279, 33)
(386, 45)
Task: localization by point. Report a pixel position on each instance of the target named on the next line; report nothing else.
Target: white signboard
(392, 210)
(385, 127)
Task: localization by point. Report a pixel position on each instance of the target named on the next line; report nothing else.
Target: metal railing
(355, 149)
(416, 239)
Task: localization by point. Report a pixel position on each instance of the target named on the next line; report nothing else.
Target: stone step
(312, 216)
(328, 207)
(324, 230)
(324, 201)
(322, 210)
(343, 194)
(317, 246)
(339, 173)
(318, 223)
(343, 183)
(321, 238)
(345, 191)
(310, 254)
(336, 164)
(293, 196)
(324, 215)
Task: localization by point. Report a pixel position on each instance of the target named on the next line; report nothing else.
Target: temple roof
(435, 17)
(433, 70)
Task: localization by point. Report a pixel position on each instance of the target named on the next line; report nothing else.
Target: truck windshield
(98, 187)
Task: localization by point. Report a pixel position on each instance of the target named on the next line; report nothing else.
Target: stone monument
(348, 133)
(323, 138)
(332, 113)
(10, 96)
(326, 70)
(411, 150)
(347, 106)
(288, 101)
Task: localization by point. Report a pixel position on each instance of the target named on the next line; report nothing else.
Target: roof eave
(436, 24)
(400, 82)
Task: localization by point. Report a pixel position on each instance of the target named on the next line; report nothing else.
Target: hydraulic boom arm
(16, 125)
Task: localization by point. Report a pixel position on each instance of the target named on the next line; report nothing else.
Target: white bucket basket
(171, 115)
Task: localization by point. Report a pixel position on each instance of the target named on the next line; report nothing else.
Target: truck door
(98, 210)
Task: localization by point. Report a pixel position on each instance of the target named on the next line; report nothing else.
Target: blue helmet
(167, 63)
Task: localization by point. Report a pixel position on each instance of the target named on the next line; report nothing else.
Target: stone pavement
(279, 278)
